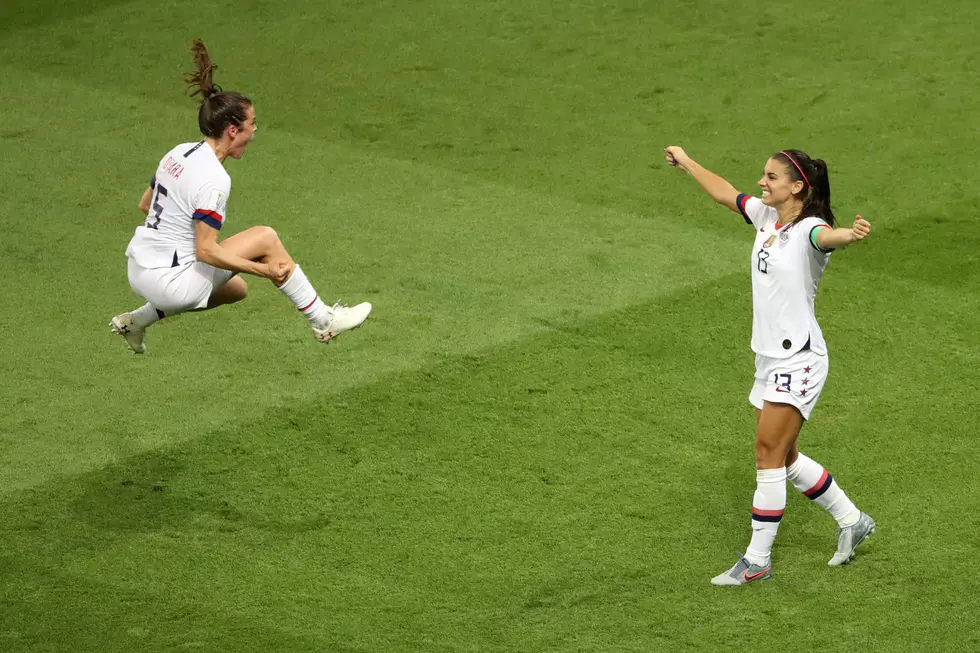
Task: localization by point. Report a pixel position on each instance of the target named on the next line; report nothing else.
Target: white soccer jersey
(786, 270)
(190, 184)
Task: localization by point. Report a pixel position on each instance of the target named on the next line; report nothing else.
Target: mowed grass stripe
(452, 263)
(581, 101)
(572, 491)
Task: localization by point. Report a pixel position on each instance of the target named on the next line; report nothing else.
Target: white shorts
(797, 380)
(177, 289)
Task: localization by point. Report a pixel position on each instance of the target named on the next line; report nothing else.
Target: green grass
(541, 439)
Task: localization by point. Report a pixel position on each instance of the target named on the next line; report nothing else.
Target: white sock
(301, 293)
(146, 315)
(815, 482)
(768, 506)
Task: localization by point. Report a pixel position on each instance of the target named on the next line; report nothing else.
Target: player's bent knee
(269, 235)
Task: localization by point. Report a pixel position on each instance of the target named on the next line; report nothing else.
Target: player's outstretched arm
(844, 236)
(720, 190)
(207, 250)
(144, 205)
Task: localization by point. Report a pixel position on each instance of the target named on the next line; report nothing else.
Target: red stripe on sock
(819, 484)
(767, 513)
(307, 307)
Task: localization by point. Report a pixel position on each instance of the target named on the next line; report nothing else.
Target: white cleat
(126, 327)
(342, 318)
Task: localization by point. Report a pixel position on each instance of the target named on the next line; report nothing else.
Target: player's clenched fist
(676, 156)
(861, 229)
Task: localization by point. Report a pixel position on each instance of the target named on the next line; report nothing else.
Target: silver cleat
(850, 538)
(743, 573)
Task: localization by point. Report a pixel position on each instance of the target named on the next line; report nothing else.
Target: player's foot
(126, 327)
(342, 318)
(743, 573)
(850, 538)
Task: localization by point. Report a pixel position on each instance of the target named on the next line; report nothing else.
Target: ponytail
(219, 109)
(817, 202)
(201, 82)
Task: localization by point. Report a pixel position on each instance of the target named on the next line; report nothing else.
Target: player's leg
(809, 477)
(132, 325)
(263, 244)
(259, 244)
(815, 482)
(171, 291)
(778, 428)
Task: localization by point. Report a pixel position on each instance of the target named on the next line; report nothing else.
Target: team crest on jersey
(769, 241)
(784, 237)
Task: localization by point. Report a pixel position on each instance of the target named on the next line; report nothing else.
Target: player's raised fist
(676, 156)
(861, 228)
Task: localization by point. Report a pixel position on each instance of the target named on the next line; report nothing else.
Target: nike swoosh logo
(781, 390)
(749, 579)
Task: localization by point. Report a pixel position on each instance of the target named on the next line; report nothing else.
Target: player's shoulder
(809, 222)
(176, 155)
(753, 207)
(208, 170)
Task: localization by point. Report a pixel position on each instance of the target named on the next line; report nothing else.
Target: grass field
(540, 442)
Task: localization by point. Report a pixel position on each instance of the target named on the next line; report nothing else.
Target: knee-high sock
(809, 477)
(301, 293)
(768, 506)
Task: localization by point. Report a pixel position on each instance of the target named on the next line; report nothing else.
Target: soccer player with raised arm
(794, 239)
(176, 262)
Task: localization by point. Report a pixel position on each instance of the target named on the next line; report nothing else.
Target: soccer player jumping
(795, 237)
(175, 260)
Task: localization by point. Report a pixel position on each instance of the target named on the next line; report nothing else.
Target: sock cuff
(777, 475)
(295, 280)
(794, 470)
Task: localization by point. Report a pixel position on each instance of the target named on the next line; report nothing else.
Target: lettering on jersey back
(173, 168)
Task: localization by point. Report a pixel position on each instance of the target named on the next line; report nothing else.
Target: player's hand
(860, 230)
(676, 156)
(277, 272)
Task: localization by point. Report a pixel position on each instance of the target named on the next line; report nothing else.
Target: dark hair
(816, 183)
(219, 109)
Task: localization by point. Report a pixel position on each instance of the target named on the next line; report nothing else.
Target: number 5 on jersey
(157, 209)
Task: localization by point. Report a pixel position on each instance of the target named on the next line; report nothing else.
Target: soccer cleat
(850, 538)
(743, 573)
(342, 318)
(126, 327)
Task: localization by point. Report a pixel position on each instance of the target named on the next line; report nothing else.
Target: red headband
(797, 167)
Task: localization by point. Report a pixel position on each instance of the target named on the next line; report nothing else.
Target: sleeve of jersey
(813, 227)
(210, 218)
(153, 183)
(211, 207)
(751, 208)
